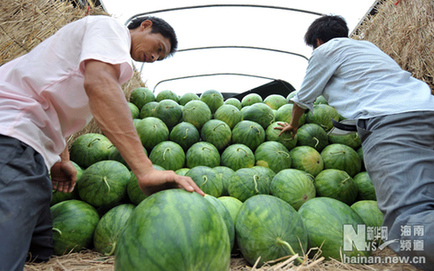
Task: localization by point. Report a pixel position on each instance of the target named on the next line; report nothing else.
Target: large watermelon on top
(169, 112)
(250, 99)
(275, 101)
(141, 96)
(213, 98)
(228, 113)
(189, 96)
(197, 113)
(268, 228)
(174, 230)
(167, 94)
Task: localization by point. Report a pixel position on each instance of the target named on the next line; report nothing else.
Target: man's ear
(146, 24)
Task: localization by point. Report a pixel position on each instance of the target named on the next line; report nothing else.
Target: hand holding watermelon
(286, 127)
(63, 176)
(157, 180)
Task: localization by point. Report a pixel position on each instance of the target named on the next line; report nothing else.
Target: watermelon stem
(259, 132)
(164, 153)
(186, 133)
(57, 230)
(107, 184)
(288, 246)
(338, 152)
(287, 154)
(91, 142)
(255, 177)
(317, 141)
(112, 250)
(218, 126)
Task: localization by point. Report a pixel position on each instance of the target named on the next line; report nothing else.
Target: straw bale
(405, 31)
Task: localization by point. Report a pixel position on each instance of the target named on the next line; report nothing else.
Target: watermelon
(213, 98)
(337, 184)
(311, 134)
(59, 196)
(134, 193)
(247, 182)
(141, 96)
(109, 228)
(74, 223)
(259, 113)
(290, 96)
(352, 140)
(197, 113)
(272, 134)
(320, 100)
(343, 157)
(169, 112)
(275, 101)
(207, 180)
(284, 114)
(152, 131)
(225, 174)
(324, 218)
(360, 153)
(90, 148)
(307, 159)
(293, 186)
(104, 183)
(322, 115)
(250, 99)
(238, 156)
(217, 133)
(364, 186)
(174, 230)
(235, 102)
(116, 155)
(248, 133)
(135, 111)
(202, 154)
(148, 110)
(185, 134)
(189, 96)
(370, 213)
(266, 173)
(268, 228)
(229, 114)
(167, 94)
(168, 154)
(182, 171)
(273, 155)
(227, 218)
(232, 204)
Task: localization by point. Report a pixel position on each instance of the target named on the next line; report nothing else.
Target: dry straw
(405, 31)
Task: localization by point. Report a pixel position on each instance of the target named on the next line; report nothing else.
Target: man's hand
(157, 180)
(286, 127)
(63, 176)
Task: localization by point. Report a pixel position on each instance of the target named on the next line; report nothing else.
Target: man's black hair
(158, 26)
(326, 28)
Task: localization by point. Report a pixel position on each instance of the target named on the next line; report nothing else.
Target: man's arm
(112, 114)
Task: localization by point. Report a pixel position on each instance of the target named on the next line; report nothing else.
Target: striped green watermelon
(168, 154)
(135, 111)
(322, 115)
(169, 112)
(364, 186)
(311, 134)
(343, 157)
(202, 154)
(337, 184)
(152, 131)
(90, 148)
(213, 98)
(235, 102)
(185, 134)
(370, 213)
(189, 96)
(182, 171)
(74, 223)
(167, 94)
(268, 228)
(275, 101)
(217, 133)
(352, 140)
(174, 230)
(141, 96)
(249, 133)
(284, 114)
(148, 110)
(228, 113)
(207, 180)
(360, 153)
(259, 113)
(238, 156)
(250, 99)
(308, 159)
(247, 182)
(104, 183)
(290, 96)
(266, 173)
(197, 113)
(324, 218)
(272, 134)
(320, 100)
(227, 218)
(109, 228)
(225, 174)
(232, 204)
(293, 186)
(273, 155)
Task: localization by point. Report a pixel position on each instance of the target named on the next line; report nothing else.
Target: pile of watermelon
(267, 196)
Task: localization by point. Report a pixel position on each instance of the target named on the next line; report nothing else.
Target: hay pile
(405, 31)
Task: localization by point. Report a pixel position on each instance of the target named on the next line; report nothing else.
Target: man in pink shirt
(51, 93)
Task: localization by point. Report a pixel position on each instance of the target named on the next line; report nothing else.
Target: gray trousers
(399, 158)
(25, 195)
